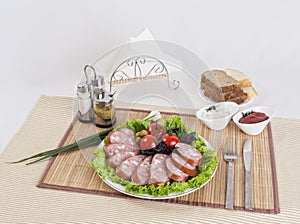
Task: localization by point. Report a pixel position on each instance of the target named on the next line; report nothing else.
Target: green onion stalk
(81, 144)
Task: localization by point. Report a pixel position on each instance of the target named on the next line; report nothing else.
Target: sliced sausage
(127, 131)
(126, 168)
(174, 173)
(158, 173)
(120, 137)
(189, 154)
(116, 159)
(111, 149)
(181, 164)
(141, 174)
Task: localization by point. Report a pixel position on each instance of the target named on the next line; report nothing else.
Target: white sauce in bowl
(216, 111)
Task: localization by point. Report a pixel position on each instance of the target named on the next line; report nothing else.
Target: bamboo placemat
(69, 171)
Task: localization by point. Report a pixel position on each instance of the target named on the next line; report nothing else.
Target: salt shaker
(84, 102)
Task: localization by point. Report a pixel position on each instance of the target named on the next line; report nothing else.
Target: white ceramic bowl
(216, 121)
(257, 128)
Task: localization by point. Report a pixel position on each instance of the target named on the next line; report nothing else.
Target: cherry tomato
(164, 137)
(170, 141)
(156, 129)
(148, 142)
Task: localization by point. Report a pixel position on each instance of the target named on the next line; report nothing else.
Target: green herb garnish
(213, 107)
(247, 113)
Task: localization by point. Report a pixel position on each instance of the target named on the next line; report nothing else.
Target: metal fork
(230, 157)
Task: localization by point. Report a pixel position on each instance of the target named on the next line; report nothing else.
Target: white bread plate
(216, 122)
(257, 128)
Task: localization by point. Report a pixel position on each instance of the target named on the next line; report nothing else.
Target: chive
(83, 143)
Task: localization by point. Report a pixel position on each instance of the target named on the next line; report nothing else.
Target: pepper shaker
(84, 102)
(98, 85)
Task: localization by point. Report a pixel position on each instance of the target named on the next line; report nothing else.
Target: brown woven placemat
(69, 171)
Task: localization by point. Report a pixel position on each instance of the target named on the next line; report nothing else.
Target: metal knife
(247, 154)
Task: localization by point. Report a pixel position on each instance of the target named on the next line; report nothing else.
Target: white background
(45, 44)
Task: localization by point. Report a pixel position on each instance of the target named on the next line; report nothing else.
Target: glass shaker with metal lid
(84, 102)
(98, 84)
(103, 109)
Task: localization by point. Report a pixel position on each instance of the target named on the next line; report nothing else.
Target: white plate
(246, 102)
(121, 188)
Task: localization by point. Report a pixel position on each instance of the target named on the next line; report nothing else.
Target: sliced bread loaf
(219, 86)
(222, 96)
(219, 80)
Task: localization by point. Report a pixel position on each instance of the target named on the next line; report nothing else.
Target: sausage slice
(189, 154)
(120, 137)
(158, 172)
(126, 168)
(174, 173)
(111, 149)
(116, 159)
(184, 166)
(127, 131)
(141, 174)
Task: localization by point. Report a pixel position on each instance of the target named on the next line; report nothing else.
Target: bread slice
(220, 81)
(244, 80)
(238, 100)
(219, 86)
(220, 96)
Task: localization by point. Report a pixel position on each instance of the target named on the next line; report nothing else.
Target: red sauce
(253, 118)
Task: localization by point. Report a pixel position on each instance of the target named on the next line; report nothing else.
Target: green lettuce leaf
(137, 125)
(175, 125)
